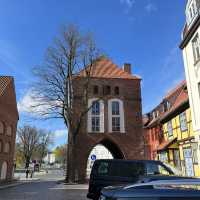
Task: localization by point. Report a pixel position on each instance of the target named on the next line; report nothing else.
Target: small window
(95, 89)
(115, 108)
(122, 169)
(1, 146)
(95, 124)
(96, 108)
(169, 128)
(7, 148)
(116, 124)
(103, 168)
(195, 47)
(9, 130)
(1, 127)
(116, 91)
(183, 122)
(106, 90)
(156, 169)
(166, 106)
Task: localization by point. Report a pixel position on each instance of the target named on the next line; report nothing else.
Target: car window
(156, 169)
(126, 169)
(103, 168)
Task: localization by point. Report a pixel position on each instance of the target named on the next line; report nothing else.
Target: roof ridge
(172, 91)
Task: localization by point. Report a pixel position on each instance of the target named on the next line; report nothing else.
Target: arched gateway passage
(104, 150)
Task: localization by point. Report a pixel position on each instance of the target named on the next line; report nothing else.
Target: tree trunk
(70, 171)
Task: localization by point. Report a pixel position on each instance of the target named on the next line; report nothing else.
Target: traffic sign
(93, 157)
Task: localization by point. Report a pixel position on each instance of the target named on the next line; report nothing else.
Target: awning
(170, 144)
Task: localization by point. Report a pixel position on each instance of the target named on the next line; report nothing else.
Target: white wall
(101, 153)
(192, 72)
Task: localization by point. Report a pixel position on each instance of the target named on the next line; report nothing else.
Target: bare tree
(28, 140)
(71, 53)
(45, 140)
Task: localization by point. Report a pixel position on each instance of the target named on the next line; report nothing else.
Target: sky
(145, 33)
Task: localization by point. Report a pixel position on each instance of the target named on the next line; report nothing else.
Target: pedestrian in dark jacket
(27, 172)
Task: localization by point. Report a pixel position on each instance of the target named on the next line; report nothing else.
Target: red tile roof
(181, 99)
(176, 89)
(176, 97)
(164, 145)
(4, 82)
(105, 68)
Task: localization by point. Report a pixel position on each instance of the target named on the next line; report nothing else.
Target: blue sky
(145, 33)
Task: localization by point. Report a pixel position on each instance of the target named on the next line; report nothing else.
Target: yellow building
(179, 147)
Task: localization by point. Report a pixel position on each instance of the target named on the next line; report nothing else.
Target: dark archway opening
(105, 149)
(113, 148)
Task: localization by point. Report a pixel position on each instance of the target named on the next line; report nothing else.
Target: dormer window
(166, 106)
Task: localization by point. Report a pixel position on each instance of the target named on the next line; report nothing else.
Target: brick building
(8, 124)
(114, 121)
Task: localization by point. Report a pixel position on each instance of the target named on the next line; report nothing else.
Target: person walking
(27, 172)
(32, 171)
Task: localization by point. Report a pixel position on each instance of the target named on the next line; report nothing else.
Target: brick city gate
(115, 121)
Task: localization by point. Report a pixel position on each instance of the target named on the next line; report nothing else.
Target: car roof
(191, 181)
(129, 161)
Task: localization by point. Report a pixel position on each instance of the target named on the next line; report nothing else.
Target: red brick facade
(125, 145)
(8, 125)
(152, 126)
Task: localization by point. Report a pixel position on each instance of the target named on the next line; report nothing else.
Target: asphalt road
(47, 188)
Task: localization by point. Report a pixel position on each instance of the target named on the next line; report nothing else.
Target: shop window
(183, 121)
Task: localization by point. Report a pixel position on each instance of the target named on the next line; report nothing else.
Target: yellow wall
(176, 127)
(182, 141)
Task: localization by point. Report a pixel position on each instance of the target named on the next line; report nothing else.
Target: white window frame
(183, 121)
(191, 11)
(90, 116)
(196, 47)
(111, 116)
(170, 128)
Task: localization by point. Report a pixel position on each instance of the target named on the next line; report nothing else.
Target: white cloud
(150, 7)
(30, 105)
(128, 3)
(60, 133)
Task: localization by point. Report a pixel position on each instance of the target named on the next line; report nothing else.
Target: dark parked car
(180, 189)
(122, 172)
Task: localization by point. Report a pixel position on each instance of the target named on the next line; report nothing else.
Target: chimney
(127, 67)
